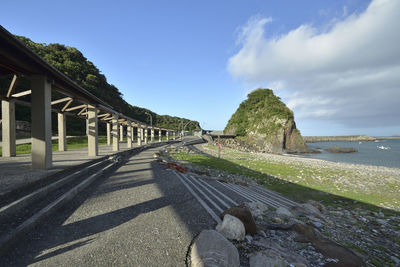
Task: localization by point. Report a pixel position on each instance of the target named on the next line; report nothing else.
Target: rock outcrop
(338, 149)
(264, 123)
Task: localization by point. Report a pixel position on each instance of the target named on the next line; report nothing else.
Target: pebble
(249, 239)
(395, 259)
(317, 224)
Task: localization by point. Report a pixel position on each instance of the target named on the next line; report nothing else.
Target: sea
(368, 153)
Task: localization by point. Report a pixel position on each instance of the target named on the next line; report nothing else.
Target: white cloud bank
(348, 74)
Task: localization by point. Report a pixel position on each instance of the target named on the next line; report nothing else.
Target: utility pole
(151, 118)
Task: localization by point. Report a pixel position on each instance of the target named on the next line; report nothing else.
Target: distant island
(351, 138)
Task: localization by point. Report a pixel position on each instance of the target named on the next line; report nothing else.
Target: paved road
(142, 215)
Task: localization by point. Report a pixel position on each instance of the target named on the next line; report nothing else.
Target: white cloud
(349, 73)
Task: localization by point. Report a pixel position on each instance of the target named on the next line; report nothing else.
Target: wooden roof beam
(58, 101)
(12, 85)
(82, 110)
(76, 107)
(66, 105)
(24, 93)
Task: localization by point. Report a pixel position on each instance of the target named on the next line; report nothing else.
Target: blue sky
(199, 59)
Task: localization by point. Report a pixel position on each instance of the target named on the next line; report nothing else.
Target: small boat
(383, 147)
(360, 143)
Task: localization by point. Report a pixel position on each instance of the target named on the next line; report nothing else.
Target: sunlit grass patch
(302, 182)
(72, 143)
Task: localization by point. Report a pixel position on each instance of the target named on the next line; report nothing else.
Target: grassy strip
(72, 143)
(300, 182)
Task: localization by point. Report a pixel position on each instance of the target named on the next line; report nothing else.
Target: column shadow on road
(53, 233)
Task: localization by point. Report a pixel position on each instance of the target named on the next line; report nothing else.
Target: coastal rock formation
(338, 149)
(264, 123)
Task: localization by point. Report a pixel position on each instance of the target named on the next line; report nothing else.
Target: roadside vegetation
(72, 143)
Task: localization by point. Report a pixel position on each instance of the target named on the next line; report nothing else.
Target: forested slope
(72, 63)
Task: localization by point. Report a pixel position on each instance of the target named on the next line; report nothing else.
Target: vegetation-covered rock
(264, 123)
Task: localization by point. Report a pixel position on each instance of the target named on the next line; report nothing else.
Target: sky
(336, 64)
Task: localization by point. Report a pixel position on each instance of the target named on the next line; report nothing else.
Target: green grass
(334, 186)
(72, 143)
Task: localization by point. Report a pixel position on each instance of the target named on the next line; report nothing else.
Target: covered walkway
(52, 91)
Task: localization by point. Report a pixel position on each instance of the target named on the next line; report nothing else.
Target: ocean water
(368, 153)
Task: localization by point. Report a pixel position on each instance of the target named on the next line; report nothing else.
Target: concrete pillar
(115, 139)
(146, 132)
(62, 132)
(129, 134)
(8, 128)
(41, 122)
(108, 133)
(121, 132)
(139, 135)
(174, 136)
(167, 135)
(152, 134)
(132, 135)
(93, 148)
(159, 135)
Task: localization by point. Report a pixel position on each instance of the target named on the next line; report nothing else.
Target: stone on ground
(308, 209)
(267, 258)
(232, 228)
(283, 212)
(243, 213)
(256, 208)
(210, 248)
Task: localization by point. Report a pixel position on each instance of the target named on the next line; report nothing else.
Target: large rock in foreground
(264, 123)
(210, 248)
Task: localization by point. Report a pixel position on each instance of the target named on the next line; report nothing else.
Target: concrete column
(93, 148)
(129, 134)
(152, 134)
(166, 134)
(108, 133)
(62, 132)
(146, 132)
(159, 135)
(115, 139)
(121, 132)
(8, 128)
(41, 122)
(132, 135)
(174, 136)
(139, 135)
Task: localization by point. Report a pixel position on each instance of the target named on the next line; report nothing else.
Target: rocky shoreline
(307, 235)
(311, 234)
(317, 163)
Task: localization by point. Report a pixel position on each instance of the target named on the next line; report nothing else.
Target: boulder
(318, 205)
(327, 247)
(256, 208)
(330, 249)
(232, 228)
(244, 214)
(308, 209)
(210, 248)
(283, 213)
(267, 258)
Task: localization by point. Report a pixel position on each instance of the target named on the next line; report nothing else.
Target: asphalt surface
(141, 215)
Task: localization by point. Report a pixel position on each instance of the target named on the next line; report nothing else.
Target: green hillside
(72, 63)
